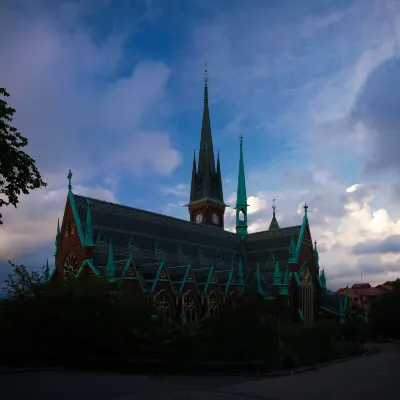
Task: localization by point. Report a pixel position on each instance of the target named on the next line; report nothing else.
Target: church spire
(206, 181)
(241, 197)
(206, 205)
(274, 223)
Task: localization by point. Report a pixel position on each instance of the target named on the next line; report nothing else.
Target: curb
(297, 371)
(275, 374)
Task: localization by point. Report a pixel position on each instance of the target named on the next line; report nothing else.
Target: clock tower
(206, 204)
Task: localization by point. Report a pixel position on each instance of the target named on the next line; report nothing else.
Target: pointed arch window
(213, 305)
(241, 215)
(191, 308)
(163, 304)
(307, 301)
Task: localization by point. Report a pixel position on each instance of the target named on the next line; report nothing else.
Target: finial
(315, 243)
(69, 176)
(205, 73)
(273, 205)
(305, 208)
(241, 139)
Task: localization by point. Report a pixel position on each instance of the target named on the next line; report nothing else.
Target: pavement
(366, 377)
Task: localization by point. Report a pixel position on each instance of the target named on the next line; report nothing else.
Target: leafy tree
(18, 172)
(385, 313)
(21, 284)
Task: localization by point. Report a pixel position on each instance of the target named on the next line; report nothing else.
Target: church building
(190, 267)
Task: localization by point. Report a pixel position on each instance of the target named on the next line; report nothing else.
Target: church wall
(70, 242)
(132, 285)
(307, 254)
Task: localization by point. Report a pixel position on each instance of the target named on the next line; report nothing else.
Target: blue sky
(114, 91)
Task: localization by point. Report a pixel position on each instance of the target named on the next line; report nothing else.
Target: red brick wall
(70, 243)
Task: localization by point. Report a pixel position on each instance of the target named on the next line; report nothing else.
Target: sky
(114, 92)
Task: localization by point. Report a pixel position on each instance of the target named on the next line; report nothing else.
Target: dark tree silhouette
(18, 172)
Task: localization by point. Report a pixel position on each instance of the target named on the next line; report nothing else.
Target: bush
(78, 319)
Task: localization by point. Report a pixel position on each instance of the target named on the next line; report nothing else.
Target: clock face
(199, 218)
(215, 218)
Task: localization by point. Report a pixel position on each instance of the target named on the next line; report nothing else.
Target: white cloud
(33, 224)
(180, 190)
(64, 87)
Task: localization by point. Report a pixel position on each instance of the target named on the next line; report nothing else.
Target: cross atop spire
(305, 208)
(274, 223)
(69, 176)
(205, 73)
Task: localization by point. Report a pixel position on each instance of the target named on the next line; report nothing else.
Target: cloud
(180, 190)
(378, 109)
(33, 225)
(83, 104)
(68, 95)
(389, 245)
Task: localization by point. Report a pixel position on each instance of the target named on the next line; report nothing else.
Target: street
(368, 377)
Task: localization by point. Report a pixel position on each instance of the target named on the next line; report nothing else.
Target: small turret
(284, 291)
(323, 279)
(277, 275)
(110, 267)
(58, 235)
(316, 255)
(88, 232)
(241, 197)
(292, 250)
(46, 272)
(274, 223)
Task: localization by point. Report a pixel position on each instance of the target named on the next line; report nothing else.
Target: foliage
(21, 284)
(18, 172)
(385, 313)
(86, 317)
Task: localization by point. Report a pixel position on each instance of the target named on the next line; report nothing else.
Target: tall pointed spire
(274, 223)
(207, 185)
(206, 205)
(241, 197)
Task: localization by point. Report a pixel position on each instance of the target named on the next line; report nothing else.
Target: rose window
(70, 267)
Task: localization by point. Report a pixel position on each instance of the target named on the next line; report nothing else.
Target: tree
(18, 172)
(22, 285)
(385, 313)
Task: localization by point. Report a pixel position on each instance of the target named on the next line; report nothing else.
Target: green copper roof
(241, 197)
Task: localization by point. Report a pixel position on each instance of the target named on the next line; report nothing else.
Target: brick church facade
(190, 267)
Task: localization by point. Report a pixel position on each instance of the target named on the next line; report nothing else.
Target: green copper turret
(241, 198)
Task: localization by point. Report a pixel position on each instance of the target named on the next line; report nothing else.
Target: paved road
(367, 378)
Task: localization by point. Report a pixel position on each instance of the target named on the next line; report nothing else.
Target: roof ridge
(188, 224)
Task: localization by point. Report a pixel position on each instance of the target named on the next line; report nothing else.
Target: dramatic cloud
(77, 113)
(115, 93)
